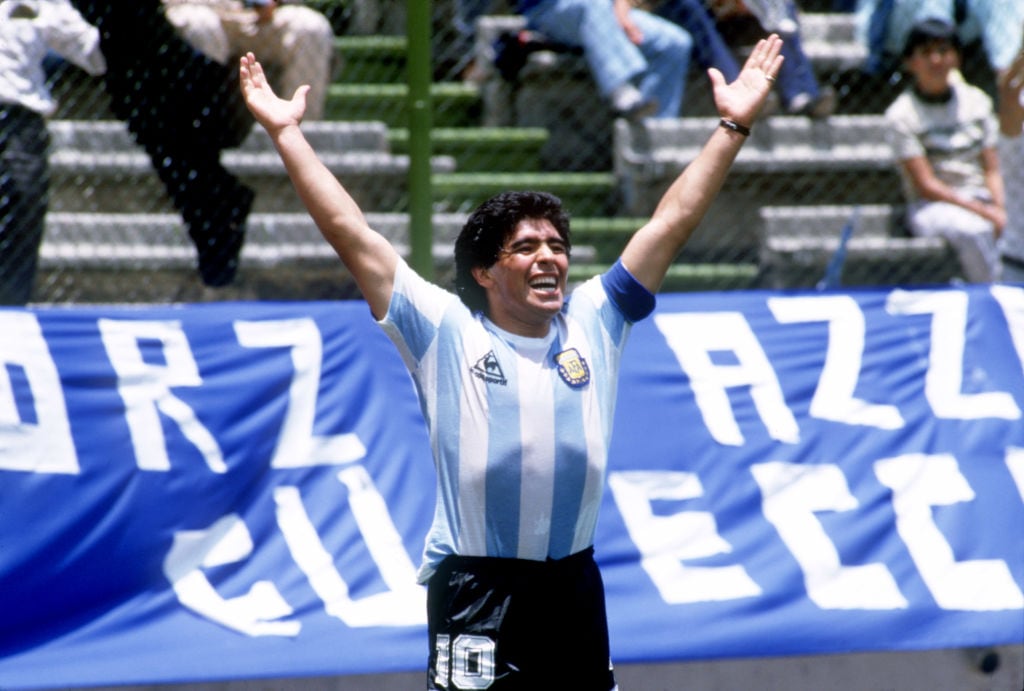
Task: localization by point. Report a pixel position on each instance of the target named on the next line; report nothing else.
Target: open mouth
(544, 283)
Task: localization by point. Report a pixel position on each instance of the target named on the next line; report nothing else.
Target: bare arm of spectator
(930, 187)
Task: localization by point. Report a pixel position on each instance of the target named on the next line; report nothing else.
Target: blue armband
(628, 294)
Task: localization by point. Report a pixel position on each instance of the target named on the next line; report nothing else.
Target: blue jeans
(658, 66)
(711, 50)
(996, 22)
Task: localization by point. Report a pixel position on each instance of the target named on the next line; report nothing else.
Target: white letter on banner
(146, 390)
(225, 542)
(944, 379)
(692, 337)
(665, 541)
(1011, 300)
(918, 482)
(297, 446)
(792, 494)
(834, 399)
(45, 445)
(404, 604)
(1015, 462)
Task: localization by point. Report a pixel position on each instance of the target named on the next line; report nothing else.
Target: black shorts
(518, 624)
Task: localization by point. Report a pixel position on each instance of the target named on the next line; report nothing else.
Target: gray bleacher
(92, 162)
(94, 227)
(797, 243)
(787, 161)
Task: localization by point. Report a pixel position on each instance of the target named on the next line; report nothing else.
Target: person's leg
(24, 184)
(213, 204)
(971, 236)
(709, 47)
(667, 48)
(299, 43)
(591, 25)
(798, 85)
(201, 27)
(578, 650)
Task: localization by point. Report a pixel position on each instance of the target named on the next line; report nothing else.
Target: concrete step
(98, 182)
(777, 143)
(271, 238)
(454, 104)
(828, 221)
(482, 149)
(829, 40)
(109, 136)
(798, 242)
(583, 194)
(378, 59)
(788, 161)
(96, 167)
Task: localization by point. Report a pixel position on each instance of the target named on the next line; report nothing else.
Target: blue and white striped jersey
(519, 426)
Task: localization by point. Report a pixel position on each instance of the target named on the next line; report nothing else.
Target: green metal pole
(420, 107)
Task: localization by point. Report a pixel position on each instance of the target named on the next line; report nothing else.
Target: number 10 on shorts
(469, 662)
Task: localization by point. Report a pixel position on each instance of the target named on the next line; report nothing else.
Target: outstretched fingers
(269, 110)
(742, 100)
(766, 57)
(251, 74)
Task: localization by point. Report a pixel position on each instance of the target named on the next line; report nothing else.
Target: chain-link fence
(512, 109)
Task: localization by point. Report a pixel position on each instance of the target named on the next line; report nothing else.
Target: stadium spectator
(943, 133)
(29, 30)
(797, 86)
(296, 42)
(642, 77)
(883, 26)
(183, 109)
(1011, 155)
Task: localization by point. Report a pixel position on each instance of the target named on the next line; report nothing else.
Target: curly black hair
(487, 229)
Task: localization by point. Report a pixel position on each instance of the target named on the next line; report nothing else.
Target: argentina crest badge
(572, 368)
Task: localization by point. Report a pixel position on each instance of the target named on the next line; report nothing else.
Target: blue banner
(230, 490)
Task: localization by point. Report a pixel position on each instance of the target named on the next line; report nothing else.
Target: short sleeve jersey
(950, 135)
(519, 427)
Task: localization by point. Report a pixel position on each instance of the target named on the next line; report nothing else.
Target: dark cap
(928, 31)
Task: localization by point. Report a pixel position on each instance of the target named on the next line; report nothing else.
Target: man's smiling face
(526, 285)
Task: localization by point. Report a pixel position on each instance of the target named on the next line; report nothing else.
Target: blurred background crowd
(130, 170)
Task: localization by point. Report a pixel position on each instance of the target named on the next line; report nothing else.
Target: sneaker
(799, 104)
(627, 102)
(219, 242)
(820, 107)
